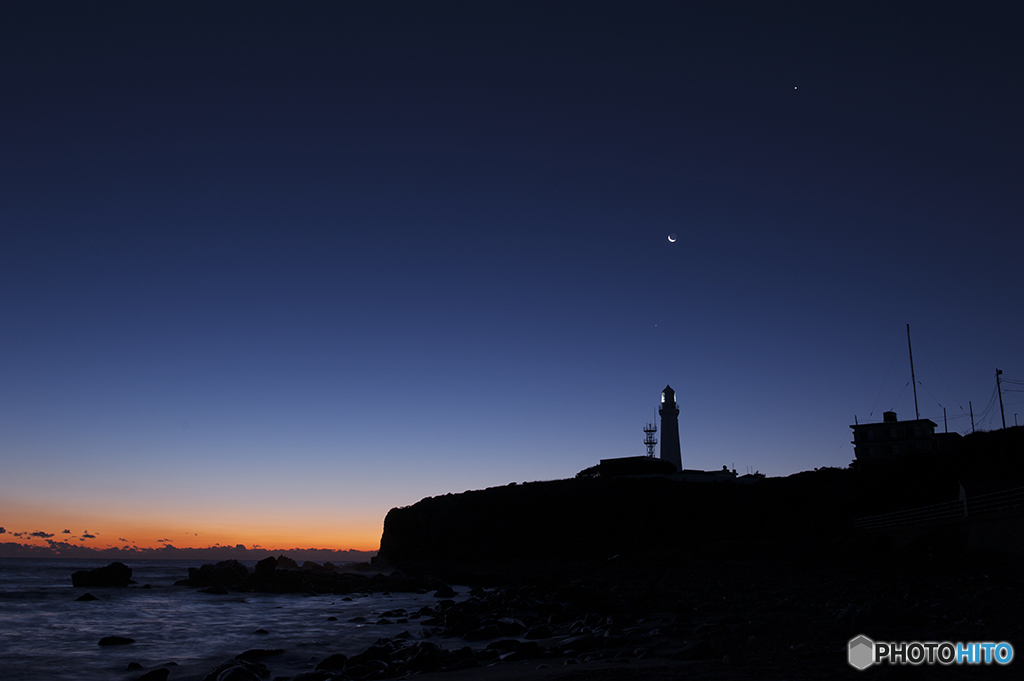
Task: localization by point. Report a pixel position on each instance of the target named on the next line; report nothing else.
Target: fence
(983, 503)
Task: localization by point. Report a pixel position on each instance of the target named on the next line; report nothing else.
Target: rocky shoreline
(282, 575)
(718, 616)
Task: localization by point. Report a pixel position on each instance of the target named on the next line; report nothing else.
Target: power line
(983, 416)
(936, 367)
(841, 445)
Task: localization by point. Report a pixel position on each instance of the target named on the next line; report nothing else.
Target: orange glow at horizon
(99, 530)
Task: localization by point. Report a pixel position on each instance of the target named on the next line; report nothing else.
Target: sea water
(45, 633)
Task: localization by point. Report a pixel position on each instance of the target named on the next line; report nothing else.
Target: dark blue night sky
(347, 255)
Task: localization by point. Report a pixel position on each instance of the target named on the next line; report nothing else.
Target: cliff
(567, 522)
(542, 526)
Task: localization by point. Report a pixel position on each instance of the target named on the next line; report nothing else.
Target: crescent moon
(672, 238)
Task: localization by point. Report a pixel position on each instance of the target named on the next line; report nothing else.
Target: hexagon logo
(861, 652)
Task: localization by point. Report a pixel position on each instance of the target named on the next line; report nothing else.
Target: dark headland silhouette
(627, 574)
(659, 517)
(770, 579)
(922, 542)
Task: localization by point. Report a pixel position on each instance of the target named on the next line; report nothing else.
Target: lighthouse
(669, 412)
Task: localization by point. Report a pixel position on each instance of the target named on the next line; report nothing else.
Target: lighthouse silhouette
(669, 412)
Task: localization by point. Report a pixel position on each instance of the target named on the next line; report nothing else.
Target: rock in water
(257, 653)
(317, 676)
(266, 567)
(539, 631)
(86, 597)
(239, 670)
(115, 574)
(223, 574)
(217, 590)
(155, 675)
(286, 563)
(116, 641)
(332, 663)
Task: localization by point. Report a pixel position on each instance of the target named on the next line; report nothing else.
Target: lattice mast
(649, 440)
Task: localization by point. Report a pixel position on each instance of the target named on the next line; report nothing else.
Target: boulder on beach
(115, 574)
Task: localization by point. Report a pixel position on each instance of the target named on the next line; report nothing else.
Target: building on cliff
(642, 466)
(650, 467)
(670, 463)
(892, 439)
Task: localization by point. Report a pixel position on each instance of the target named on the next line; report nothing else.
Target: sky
(270, 270)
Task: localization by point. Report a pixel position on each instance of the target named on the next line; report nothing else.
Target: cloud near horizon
(62, 549)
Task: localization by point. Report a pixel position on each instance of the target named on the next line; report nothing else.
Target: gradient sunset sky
(270, 270)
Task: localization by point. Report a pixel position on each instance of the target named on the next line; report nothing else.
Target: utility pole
(945, 423)
(917, 414)
(972, 414)
(999, 389)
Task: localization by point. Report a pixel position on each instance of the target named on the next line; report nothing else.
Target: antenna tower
(649, 430)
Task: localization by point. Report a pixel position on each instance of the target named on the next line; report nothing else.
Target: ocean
(46, 634)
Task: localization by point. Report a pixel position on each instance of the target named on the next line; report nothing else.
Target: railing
(996, 501)
(982, 503)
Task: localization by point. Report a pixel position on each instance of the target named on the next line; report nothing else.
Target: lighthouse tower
(669, 412)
